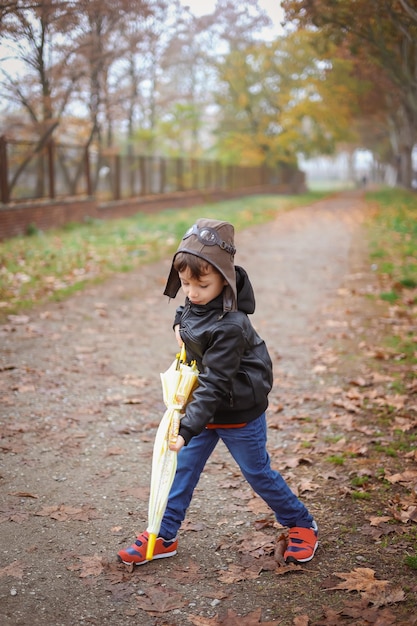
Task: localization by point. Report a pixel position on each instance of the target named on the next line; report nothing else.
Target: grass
(394, 239)
(52, 265)
(393, 234)
(411, 561)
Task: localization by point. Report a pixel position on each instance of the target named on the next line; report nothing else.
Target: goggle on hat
(213, 241)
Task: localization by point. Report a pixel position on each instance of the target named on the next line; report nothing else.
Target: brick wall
(19, 219)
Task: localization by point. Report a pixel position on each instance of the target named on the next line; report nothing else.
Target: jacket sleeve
(221, 362)
(177, 317)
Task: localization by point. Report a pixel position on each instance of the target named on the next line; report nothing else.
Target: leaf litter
(230, 566)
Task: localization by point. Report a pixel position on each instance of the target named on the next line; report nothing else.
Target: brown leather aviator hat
(211, 240)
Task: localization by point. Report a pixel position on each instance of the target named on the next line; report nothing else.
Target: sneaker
(302, 544)
(136, 553)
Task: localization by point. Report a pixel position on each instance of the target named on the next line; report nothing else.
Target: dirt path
(80, 399)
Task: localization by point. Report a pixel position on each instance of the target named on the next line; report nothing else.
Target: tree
(279, 100)
(386, 32)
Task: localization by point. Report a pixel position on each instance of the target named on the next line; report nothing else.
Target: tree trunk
(405, 167)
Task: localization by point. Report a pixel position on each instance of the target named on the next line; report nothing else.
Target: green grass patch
(389, 296)
(336, 459)
(411, 561)
(360, 495)
(51, 265)
(360, 481)
(394, 237)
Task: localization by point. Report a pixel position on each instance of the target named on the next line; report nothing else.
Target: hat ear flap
(173, 283)
(229, 300)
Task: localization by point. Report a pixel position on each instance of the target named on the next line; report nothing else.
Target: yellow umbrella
(178, 383)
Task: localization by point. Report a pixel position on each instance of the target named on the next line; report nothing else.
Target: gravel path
(80, 399)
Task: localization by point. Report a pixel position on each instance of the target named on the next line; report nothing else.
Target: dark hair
(197, 266)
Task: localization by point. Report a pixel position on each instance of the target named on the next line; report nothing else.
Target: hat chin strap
(228, 299)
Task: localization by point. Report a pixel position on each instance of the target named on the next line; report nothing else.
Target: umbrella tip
(151, 546)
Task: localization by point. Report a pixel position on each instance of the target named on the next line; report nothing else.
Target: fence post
(218, 179)
(116, 193)
(142, 168)
(180, 182)
(162, 174)
(4, 183)
(87, 171)
(207, 175)
(194, 174)
(51, 168)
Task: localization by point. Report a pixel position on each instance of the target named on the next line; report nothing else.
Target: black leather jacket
(235, 367)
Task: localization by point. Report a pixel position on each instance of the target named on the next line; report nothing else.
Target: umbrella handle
(174, 427)
(183, 354)
(150, 547)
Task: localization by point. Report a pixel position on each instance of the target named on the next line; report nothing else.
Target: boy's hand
(177, 335)
(179, 443)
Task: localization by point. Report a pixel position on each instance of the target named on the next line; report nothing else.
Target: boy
(232, 394)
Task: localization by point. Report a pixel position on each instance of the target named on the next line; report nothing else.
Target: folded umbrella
(178, 383)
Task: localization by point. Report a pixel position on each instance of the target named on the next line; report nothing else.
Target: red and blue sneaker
(136, 553)
(302, 544)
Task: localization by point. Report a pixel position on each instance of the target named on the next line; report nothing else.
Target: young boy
(232, 394)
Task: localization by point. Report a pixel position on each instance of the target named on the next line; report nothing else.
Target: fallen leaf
(235, 573)
(360, 579)
(133, 400)
(188, 574)
(376, 521)
(15, 570)
(291, 567)
(18, 319)
(404, 477)
(62, 513)
(382, 598)
(13, 515)
(159, 600)
(89, 566)
(23, 494)
(231, 619)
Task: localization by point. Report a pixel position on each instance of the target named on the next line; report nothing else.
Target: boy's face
(203, 289)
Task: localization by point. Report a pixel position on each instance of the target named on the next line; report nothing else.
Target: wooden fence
(32, 172)
(50, 186)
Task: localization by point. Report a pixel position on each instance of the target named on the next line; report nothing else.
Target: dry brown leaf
(231, 619)
(291, 567)
(235, 573)
(115, 451)
(408, 513)
(13, 515)
(23, 494)
(404, 477)
(382, 598)
(133, 400)
(281, 544)
(370, 615)
(63, 513)
(134, 381)
(160, 600)
(360, 579)
(376, 521)
(14, 569)
(188, 573)
(89, 566)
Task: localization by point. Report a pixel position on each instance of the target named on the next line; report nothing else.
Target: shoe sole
(292, 559)
(157, 556)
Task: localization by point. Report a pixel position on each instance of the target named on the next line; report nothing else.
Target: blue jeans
(247, 446)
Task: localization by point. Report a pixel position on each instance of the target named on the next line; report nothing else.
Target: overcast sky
(272, 7)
